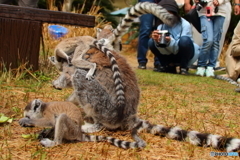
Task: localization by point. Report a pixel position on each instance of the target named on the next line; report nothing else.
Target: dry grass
(191, 102)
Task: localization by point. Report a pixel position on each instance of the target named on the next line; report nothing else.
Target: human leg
(164, 60)
(207, 36)
(146, 25)
(214, 51)
(185, 53)
(217, 33)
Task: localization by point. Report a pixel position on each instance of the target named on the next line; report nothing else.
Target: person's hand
(156, 37)
(236, 10)
(215, 3)
(196, 1)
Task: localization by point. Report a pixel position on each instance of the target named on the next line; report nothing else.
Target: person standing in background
(146, 27)
(212, 15)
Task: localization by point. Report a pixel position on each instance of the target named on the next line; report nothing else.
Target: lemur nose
(102, 41)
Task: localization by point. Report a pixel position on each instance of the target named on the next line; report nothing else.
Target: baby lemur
(66, 119)
(71, 50)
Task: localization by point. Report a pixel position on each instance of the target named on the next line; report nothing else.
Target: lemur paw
(25, 122)
(89, 77)
(141, 144)
(47, 142)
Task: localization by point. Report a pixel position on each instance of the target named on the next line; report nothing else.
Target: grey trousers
(22, 3)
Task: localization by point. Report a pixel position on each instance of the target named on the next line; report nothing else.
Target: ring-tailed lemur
(66, 48)
(100, 58)
(97, 99)
(66, 120)
(229, 80)
(71, 50)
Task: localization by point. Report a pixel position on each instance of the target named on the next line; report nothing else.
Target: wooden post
(21, 28)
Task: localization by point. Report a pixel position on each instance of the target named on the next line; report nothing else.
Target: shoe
(171, 69)
(200, 71)
(156, 67)
(184, 71)
(142, 66)
(210, 72)
(161, 69)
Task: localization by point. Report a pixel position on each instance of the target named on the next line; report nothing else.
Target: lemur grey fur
(66, 120)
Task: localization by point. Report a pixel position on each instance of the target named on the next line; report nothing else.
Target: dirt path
(130, 53)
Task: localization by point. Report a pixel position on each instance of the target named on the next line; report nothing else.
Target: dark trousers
(184, 55)
(146, 27)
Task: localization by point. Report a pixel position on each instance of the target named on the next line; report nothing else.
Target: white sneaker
(200, 71)
(210, 72)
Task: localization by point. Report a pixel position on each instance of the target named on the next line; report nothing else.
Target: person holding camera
(173, 45)
(212, 15)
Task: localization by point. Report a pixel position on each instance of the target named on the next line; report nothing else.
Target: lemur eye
(27, 117)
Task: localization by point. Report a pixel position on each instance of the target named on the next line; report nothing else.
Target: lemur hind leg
(66, 129)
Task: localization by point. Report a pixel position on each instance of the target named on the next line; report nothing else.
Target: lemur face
(33, 109)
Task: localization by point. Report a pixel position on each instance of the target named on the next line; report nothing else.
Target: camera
(201, 4)
(162, 41)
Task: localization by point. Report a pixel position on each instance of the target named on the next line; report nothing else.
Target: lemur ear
(36, 104)
(98, 31)
(52, 60)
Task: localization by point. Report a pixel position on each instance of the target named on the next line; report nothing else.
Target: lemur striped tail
(135, 12)
(194, 137)
(114, 141)
(116, 75)
(231, 81)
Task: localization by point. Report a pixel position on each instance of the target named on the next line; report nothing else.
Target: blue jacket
(183, 28)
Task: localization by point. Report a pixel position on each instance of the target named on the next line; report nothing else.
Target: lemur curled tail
(135, 12)
(65, 118)
(194, 137)
(116, 74)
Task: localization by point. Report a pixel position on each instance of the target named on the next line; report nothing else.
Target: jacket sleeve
(236, 41)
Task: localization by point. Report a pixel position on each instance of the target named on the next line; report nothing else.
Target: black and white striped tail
(116, 76)
(194, 137)
(229, 80)
(143, 8)
(114, 141)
